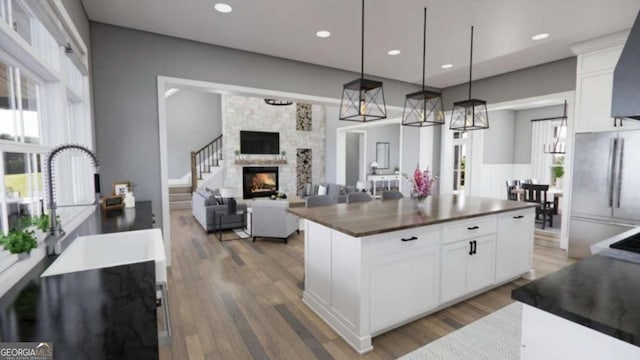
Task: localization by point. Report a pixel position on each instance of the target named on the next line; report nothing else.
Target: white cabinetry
(514, 252)
(597, 60)
(467, 266)
(364, 286)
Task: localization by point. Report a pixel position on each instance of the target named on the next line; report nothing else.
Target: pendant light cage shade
(363, 100)
(423, 108)
(469, 114)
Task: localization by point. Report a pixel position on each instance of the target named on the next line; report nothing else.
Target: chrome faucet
(55, 227)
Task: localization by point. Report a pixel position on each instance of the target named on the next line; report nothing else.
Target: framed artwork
(382, 155)
(121, 187)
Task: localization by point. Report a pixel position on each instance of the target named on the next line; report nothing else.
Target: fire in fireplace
(259, 181)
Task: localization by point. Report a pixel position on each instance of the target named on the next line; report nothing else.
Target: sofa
(206, 207)
(270, 219)
(336, 191)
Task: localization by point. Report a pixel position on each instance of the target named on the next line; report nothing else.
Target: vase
(422, 201)
(129, 200)
(23, 256)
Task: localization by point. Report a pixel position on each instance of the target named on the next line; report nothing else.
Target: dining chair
(511, 186)
(392, 195)
(358, 197)
(535, 193)
(319, 200)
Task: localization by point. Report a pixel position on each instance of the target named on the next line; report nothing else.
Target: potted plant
(396, 170)
(558, 172)
(237, 152)
(284, 155)
(20, 242)
(421, 184)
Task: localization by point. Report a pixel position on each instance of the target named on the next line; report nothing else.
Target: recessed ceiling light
(540, 36)
(323, 34)
(223, 8)
(393, 52)
(447, 66)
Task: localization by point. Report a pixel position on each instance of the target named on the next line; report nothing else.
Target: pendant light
(362, 99)
(558, 147)
(423, 108)
(469, 114)
(277, 102)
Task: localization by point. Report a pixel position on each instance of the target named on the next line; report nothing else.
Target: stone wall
(245, 113)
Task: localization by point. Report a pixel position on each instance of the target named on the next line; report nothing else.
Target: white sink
(101, 251)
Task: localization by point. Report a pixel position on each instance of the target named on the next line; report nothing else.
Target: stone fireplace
(259, 181)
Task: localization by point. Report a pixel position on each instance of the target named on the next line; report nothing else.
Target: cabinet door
(454, 269)
(514, 244)
(594, 104)
(481, 267)
(404, 286)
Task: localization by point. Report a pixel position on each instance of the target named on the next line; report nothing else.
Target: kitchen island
(371, 267)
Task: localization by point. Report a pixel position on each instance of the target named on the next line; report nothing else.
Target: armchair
(270, 219)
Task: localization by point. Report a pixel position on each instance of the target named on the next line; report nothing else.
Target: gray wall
(389, 134)
(549, 78)
(194, 118)
(523, 130)
(352, 161)
(126, 64)
(499, 138)
(411, 154)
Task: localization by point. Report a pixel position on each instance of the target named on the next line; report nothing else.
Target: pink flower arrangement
(421, 182)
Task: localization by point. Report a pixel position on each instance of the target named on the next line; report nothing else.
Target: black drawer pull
(409, 239)
(518, 217)
(473, 228)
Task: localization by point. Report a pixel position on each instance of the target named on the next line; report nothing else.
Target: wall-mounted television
(258, 142)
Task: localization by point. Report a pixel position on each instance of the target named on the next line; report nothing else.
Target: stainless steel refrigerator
(605, 196)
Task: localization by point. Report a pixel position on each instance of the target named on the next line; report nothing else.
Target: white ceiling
(286, 28)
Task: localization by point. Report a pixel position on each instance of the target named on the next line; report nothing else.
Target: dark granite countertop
(105, 313)
(601, 292)
(375, 217)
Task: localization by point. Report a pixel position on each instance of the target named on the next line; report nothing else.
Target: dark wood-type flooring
(242, 300)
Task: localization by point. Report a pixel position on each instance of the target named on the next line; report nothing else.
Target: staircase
(204, 161)
(206, 170)
(180, 197)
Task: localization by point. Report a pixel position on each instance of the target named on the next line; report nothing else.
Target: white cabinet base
(550, 337)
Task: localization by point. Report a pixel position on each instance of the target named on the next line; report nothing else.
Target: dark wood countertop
(375, 217)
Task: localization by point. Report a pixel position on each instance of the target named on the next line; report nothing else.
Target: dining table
(557, 194)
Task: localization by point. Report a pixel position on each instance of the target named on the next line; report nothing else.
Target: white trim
(226, 89)
(603, 42)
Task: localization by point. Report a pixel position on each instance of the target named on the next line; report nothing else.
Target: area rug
(494, 337)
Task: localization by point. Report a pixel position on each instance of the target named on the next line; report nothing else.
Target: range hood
(626, 78)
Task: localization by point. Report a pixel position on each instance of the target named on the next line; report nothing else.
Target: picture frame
(120, 188)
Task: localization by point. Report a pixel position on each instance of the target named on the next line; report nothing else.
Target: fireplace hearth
(259, 181)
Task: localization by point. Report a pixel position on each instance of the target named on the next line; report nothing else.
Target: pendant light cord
(362, 45)
(471, 63)
(424, 48)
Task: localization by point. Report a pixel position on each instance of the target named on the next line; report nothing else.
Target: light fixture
(470, 114)
(539, 36)
(374, 166)
(223, 8)
(393, 52)
(424, 107)
(276, 102)
(362, 99)
(558, 147)
(323, 34)
(447, 66)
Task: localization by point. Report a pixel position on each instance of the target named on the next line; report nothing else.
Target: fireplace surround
(259, 181)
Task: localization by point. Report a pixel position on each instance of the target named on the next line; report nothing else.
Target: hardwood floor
(242, 300)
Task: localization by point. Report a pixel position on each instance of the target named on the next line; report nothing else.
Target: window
(460, 152)
(19, 106)
(557, 161)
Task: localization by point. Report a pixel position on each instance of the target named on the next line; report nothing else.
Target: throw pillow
(322, 190)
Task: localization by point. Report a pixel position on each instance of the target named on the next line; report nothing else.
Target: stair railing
(205, 158)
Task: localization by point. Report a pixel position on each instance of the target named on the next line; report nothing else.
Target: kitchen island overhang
(371, 267)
